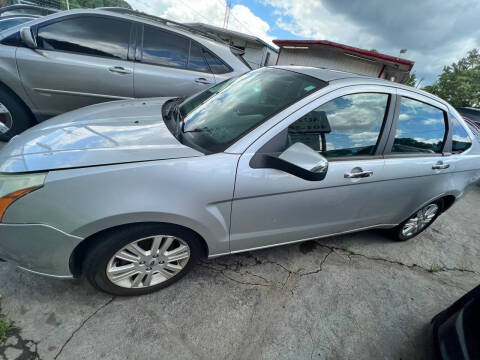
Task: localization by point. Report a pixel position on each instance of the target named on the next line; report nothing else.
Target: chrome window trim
(267, 131)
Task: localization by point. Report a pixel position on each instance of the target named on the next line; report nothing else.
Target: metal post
(68, 5)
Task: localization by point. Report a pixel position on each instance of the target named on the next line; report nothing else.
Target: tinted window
(99, 36)
(8, 23)
(347, 126)
(216, 65)
(164, 48)
(420, 128)
(241, 105)
(460, 139)
(196, 60)
(13, 40)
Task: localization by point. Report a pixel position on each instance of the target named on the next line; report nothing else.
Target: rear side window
(94, 35)
(164, 48)
(216, 65)
(197, 61)
(460, 139)
(420, 128)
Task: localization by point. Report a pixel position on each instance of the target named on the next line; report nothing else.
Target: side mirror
(305, 157)
(298, 160)
(28, 38)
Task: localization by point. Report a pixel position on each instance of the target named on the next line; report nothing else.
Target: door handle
(202, 81)
(119, 70)
(359, 174)
(440, 166)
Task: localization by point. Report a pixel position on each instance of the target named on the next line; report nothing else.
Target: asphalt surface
(359, 296)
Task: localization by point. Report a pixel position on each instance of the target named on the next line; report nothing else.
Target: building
(323, 53)
(257, 52)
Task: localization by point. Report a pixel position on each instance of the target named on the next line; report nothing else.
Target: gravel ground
(357, 296)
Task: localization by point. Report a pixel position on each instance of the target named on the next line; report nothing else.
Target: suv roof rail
(164, 22)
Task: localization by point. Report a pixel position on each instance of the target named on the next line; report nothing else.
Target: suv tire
(14, 114)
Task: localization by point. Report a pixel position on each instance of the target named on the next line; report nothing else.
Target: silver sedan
(130, 194)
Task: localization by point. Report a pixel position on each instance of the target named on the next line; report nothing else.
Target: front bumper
(38, 248)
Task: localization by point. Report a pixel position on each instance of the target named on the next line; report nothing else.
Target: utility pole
(227, 13)
(68, 4)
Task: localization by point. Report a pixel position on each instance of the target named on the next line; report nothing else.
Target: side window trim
(383, 137)
(139, 49)
(36, 27)
(193, 42)
(447, 143)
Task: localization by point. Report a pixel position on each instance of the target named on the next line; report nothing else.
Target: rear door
(417, 156)
(169, 64)
(80, 60)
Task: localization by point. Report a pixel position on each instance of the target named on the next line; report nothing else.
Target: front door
(271, 206)
(80, 60)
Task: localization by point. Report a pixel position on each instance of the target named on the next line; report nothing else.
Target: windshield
(215, 119)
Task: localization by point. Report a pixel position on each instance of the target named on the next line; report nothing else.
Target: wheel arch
(82, 249)
(448, 201)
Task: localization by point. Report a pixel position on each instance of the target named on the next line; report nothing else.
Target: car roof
(133, 16)
(330, 75)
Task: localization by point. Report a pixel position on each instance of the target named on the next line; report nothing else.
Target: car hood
(109, 133)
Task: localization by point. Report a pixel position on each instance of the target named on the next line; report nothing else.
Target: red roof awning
(350, 49)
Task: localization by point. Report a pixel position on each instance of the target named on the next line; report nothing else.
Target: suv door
(345, 126)
(169, 64)
(418, 154)
(80, 60)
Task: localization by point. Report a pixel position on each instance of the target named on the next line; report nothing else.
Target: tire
(398, 233)
(102, 267)
(19, 117)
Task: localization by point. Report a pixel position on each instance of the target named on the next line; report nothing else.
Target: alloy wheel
(6, 121)
(420, 220)
(148, 261)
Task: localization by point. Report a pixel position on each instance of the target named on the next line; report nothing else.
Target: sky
(435, 32)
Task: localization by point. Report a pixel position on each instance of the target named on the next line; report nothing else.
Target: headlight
(13, 187)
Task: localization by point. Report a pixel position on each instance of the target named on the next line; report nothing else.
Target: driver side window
(346, 126)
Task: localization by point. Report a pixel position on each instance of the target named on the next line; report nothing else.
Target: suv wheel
(141, 259)
(14, 116)
(418, 222)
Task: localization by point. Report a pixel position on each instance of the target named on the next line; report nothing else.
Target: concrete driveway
(359, 296)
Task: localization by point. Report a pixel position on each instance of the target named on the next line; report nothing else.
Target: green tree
(412, 80)
(75, 4)
(459, 83)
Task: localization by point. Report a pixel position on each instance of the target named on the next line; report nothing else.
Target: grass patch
(435, 268)
(6, 328)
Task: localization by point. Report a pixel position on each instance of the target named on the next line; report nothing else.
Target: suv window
(87, 35)
(196, 60)
(164, 48)
(216, 65)
(460, 139)
(347, 126)
(420, 128)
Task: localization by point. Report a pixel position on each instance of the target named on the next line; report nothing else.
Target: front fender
(192, 192)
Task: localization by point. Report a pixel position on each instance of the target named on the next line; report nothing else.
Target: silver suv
(71, 59)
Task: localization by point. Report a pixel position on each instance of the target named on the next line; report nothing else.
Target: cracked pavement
(357, 296)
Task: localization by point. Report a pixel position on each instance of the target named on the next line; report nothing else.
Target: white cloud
(433, 121)
(211, 12)
(435, 33)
